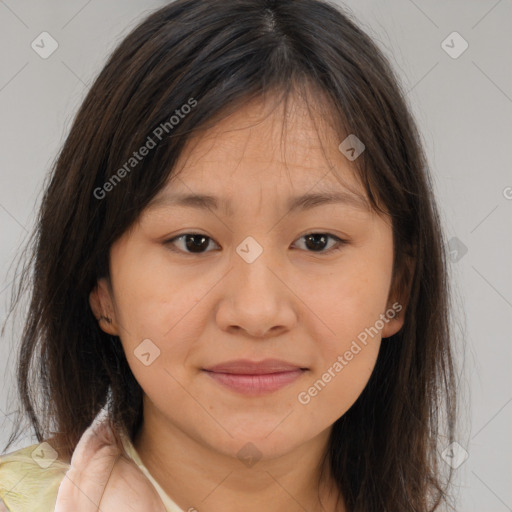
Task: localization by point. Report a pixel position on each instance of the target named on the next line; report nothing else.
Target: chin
(250, 450)
(259, 442)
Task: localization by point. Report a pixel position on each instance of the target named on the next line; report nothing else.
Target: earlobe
(101, 302)
(395, 320)
(399, 297)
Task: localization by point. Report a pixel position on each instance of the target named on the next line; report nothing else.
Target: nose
(256, 298)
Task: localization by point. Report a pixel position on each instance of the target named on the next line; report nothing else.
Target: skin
(291, 303)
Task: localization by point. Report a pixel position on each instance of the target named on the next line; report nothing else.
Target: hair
(215, 56)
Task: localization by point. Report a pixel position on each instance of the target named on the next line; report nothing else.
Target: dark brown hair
(220, 54)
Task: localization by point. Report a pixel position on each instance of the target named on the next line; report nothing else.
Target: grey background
(464, 110)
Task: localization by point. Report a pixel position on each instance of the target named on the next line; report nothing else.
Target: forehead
(265, 147)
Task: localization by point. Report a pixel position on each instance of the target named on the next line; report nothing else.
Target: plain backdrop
(462, 101)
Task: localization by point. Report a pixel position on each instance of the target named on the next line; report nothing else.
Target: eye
(197, 243)
(318, 241)
(193, 242)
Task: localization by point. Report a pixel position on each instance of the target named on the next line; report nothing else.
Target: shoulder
(30, 478)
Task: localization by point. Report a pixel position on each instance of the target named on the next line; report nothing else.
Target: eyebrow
(298, 203)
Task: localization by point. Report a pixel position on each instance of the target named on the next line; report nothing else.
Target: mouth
(255, 377)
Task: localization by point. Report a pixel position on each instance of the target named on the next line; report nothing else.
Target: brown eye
(317, 242)
(195, 243)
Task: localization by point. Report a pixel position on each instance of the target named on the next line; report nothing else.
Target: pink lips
(254, 378)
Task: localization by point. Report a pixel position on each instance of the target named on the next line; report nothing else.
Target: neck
(199, 478)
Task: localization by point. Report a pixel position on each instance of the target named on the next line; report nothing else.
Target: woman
(239, 273)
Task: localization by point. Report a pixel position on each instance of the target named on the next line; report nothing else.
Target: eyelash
(339, 243)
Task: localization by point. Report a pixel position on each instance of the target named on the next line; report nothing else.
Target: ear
(399, 295)
(102, 305)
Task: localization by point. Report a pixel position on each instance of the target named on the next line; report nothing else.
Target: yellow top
(30, 479)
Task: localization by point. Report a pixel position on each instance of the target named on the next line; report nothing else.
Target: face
(255, 317)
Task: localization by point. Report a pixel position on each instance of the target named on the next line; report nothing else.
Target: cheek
(154, 308)
(350, 365)
(331, 393)
(348, 353)
(349, 304)
(351, 300)
(152, 297)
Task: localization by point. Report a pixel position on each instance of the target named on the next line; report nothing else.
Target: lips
(255, 377)
(248, 367)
